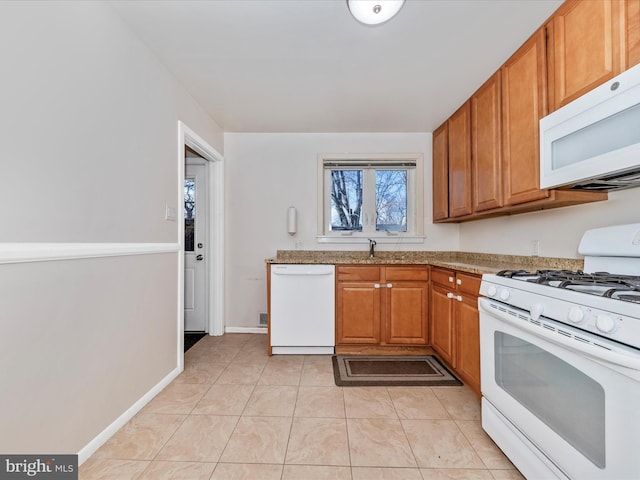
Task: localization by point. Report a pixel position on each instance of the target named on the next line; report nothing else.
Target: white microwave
(593, 143)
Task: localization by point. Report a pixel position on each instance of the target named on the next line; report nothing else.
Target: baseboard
(90, 448)
(302, 350)
(262, 330)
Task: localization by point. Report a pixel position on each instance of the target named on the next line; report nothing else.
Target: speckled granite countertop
(478, 263)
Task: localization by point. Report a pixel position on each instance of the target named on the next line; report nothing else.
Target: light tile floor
(236, 413)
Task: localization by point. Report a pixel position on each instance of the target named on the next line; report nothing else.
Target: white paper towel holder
(291, 220)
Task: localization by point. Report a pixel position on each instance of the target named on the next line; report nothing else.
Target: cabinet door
(633, 32)
(460, 162)
(406, 313)
(441, 173)
(486, 146)
(523, 104)
(586, 42)
(441, 318)
(358, 313)
(468, 341)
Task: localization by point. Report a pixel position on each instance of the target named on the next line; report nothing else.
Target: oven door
(576, 403)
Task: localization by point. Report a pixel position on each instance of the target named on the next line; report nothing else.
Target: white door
(195, 261)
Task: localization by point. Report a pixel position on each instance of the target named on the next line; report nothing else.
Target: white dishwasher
(302, 316)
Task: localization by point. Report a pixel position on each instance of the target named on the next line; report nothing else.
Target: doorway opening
(200, 237)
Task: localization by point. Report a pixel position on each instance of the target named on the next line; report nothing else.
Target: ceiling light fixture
(374, 12)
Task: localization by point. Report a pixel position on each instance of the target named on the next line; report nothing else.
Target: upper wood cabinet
(488, 151)
(633, 32)
(524, 103)
(486, 148)
(460, 200)
(441, 172)
(586, 47)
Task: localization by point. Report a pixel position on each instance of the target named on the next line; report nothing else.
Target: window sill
(380, 239)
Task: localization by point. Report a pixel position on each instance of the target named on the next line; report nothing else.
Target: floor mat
(382, 370)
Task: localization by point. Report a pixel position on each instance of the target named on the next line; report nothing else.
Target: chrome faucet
(372, 244)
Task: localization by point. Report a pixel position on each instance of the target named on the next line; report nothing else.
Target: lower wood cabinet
(382, 305)
(455, 323)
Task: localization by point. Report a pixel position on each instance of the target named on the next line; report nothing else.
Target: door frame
(215, 245)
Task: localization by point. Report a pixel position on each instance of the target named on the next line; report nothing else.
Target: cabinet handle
(450, 279)
(376, 285)
(459, 298)
(459, 282)
(450, 295)
(389, 285)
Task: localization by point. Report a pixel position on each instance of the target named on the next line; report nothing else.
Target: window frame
(415, 198)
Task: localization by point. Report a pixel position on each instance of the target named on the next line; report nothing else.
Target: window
(189, 214)
(372, 195)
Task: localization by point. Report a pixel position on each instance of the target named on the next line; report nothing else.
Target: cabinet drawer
(358, 273)
(419, 273)
(468, 283)
(443, 277)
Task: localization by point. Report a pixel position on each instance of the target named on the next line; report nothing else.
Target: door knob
(199, 245)
(199, 257)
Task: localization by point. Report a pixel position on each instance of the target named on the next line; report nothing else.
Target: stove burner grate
(603, 284)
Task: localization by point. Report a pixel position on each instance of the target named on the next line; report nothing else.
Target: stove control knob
(576, 315)
(605, 323)
(504, 294)
(492, 290)
(536, 310)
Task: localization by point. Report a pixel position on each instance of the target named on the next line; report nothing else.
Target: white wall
(558, 231)
(88, 127)
(267, 173)
(88, 153)
(80, 342)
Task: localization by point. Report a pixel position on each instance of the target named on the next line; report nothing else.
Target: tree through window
(369, 195)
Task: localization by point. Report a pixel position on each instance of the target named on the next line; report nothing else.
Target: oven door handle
(601, 354)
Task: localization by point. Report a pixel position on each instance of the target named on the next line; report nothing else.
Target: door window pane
(569, 402)
(346, 200)
(391, 200)
(189, 214)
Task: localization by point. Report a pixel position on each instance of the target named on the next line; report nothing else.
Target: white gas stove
(604, 299)
(560, 362)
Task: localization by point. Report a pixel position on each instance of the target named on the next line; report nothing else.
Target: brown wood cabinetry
(586, 47)
(505, 144)
(633, 32)
(468, 339)
(441, 172)
(460, 162)
(382, 305)
(454, 320)
(486, 148)
(523, 105)
(441, 316)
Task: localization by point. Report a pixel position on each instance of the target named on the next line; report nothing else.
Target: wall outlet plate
(535, 248)
(170, 213)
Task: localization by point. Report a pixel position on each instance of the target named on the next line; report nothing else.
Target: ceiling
(308, 66)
